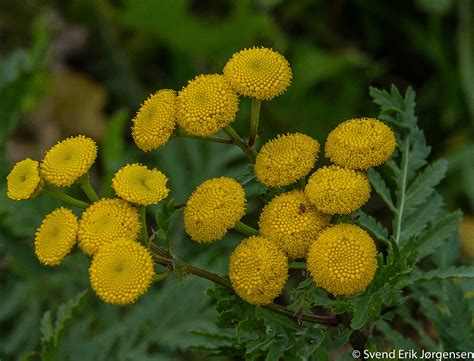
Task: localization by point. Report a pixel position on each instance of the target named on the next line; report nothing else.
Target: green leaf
(451, 272)
(364, 310)
(381, 188)
(370, 224)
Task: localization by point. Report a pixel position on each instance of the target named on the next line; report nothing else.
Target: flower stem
(245, 229)
(297, 265)
(254, 118)
(177, 264)
(65, 198)
(250, 152)
(86, 186)
(144, 232)
(184, 134)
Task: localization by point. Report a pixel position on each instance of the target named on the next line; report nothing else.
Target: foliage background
(84, 66)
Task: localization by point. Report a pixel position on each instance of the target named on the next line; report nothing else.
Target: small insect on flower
(56, 236)
(259, 73)
(68, 160)
(258, 270)
(140, 185)
(24, 181)
(292, 223)
(206, 105)
(286, 159)
(155, 121)
(342, 259)
(121, 272)
(214, 208)
(360, 143)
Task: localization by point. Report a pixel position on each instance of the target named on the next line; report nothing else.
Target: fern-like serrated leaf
(371, 225)
(381, 188)
(451, 272)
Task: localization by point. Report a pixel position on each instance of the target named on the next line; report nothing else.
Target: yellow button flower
(206, 105)
(258, 270)
(155, 121)
(286, 159)
(214, 208)
(71, 158)
(105, 221)
(336, 190)
(360, 143)
(56, 236)
(121, 272)
(292, 223)
(138, 184)
(23, 181)
(342, 260)
(259, 73)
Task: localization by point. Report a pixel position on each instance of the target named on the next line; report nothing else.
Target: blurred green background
(84, 67)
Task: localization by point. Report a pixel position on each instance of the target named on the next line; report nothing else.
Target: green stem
(254, 119)
(250, 152)
(245, 229)
(144, 231)
(184, 134)
(65, 198)
(187, 268)
(86, 186)
(297, 265)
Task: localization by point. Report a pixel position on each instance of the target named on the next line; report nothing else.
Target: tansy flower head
(71, 158)
(206, 105)
(214, 208)
(155, 121)
(121, 272)
(56, 236)
(138, 184)
(258, 270)
(360, 143)
(292, 223)
(24, 182)
(285, 159)
(336, 190)
(105, 221)
(342, 260)
(259, 73)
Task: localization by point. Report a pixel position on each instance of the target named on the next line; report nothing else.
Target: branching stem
(254, 120)
(65, 197)
(86, 186)
(182, 133)
(401, 205)
(144, 231)
(245, 229)
(237, 140)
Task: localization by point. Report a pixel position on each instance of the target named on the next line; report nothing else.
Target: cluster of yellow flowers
(295, 224)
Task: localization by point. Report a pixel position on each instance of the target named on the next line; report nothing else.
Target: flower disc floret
(138, 184)
(214, 208)
(56, 236)
(155, 121)
(206, 105)
(24, 181)
(105, 222)
(337, 190)
(121, 272)
(286, 159)
(258, 270)
(259, 73)
(342, 260)
(292, 222)
(68, 160)
(360, 143)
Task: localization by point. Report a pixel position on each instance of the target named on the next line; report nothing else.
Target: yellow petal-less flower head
(206, 105)
(360, 143)
(24, 181)
(105, 222)
(56, 236)
(214, 207)
(337, 190)
(155, 121)
(258, 270)
(292, 223)
(138, 184)
(286, 159)
(68, 160)
(259, 73)
(121, 272)
(342, 260)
